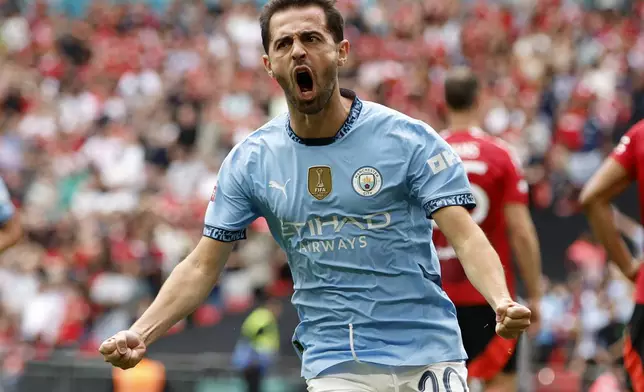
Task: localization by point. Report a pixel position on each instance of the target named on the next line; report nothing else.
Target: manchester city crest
(367, 181)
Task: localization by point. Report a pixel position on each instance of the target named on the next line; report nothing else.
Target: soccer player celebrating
(501, 195)
(10, 228)
(625, 165)
(347, 187)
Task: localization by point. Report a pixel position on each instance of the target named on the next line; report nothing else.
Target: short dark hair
(461, 89)
(334, 19)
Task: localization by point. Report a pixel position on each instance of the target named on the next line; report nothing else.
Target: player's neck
(324, 124)
(462, 121)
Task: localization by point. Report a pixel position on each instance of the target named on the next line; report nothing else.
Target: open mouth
(304, 80)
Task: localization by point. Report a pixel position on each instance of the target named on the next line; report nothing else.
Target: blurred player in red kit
(624, 166)
(501, 196)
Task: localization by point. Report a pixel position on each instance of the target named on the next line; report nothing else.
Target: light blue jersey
(6, 206)
(352, 214)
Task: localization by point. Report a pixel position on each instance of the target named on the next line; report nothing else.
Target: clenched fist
(512, 319)
(123, 350)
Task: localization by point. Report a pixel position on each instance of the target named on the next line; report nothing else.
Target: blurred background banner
(115, 116)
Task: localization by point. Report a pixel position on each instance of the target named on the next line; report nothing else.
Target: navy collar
(354, 113)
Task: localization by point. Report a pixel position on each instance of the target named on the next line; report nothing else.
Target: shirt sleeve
(516, 188)
(6, 206)
(625, 152)
(436, 175)
(230, 209)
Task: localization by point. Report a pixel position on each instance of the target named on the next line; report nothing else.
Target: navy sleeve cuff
(223, 235)
(464, 200)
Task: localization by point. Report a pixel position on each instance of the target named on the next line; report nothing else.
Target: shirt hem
(307, 375)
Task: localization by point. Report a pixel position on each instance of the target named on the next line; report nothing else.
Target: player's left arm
(527, 253)
(479, 259)
(521, 231)
(10, 226)
(437, 179)
(483, 268)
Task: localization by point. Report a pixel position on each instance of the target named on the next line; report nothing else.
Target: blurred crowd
(583, 320)
(113, 126)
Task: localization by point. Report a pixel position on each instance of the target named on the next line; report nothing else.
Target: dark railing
(207, 372)
(211, 372)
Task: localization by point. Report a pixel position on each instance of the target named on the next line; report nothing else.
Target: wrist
(141, 333)
(534, 298)
(501, 299)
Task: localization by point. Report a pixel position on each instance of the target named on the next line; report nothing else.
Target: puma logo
(276, 185)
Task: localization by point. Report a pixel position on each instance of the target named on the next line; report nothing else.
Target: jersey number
(429, 381)
(482, 200)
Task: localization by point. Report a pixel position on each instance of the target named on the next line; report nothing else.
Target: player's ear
(267, 66)
(343, 52)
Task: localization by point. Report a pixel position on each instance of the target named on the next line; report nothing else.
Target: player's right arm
(612, 178)
(10, 227)
(229, 213)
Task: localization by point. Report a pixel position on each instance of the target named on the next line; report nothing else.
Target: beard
(324, 92)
